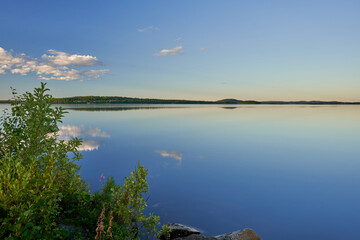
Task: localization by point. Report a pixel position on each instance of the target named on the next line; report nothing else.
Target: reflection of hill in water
(127, 107)
(116, 108)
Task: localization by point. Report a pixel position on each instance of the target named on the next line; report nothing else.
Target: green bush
(42, 194)
(124, 205)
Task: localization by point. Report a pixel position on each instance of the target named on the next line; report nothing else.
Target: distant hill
(102, 99)
(128, 100)
(235, 101)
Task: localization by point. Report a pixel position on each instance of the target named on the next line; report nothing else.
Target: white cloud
(7, 61)
(95, 73)
(62, 59)
(50, 67)
(165, 52)
(56, 74)
(203, 49)
(147, 29)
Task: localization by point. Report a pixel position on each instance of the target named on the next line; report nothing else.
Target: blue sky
(183, 49)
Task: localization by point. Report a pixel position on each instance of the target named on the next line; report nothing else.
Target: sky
(183, 49)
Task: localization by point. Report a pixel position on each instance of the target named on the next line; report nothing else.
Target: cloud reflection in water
(175, 155)
(69, 131)
(89, 145)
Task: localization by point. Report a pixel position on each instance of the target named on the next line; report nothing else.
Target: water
(288, 172)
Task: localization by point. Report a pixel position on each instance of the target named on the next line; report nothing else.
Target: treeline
(104, 99)
(125, 100)
(129, 100)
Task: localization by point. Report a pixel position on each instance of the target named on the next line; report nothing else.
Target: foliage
(164, 233)
(37, 177)
(42, 194)
(124, 205)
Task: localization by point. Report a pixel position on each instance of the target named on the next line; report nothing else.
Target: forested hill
(104, 99)
(128, 100)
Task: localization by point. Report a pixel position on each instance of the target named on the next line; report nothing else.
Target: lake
(286, 171)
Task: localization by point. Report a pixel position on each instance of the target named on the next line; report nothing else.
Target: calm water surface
(288, 172)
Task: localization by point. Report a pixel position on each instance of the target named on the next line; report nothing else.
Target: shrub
(122, 210)
(41, 189)
(38, 179)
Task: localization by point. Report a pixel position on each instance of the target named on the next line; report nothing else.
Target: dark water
(288, 172)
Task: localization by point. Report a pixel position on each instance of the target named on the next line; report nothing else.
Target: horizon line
(219, 101)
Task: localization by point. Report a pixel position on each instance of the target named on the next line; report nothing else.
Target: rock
(182, 234)
(195, 237)
(244, 234)
(179, 231)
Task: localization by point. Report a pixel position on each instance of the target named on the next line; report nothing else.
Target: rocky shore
(182, 232)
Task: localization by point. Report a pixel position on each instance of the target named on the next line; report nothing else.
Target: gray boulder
(182, 232)
(195, 237)
(244, 234)
(179, 231)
